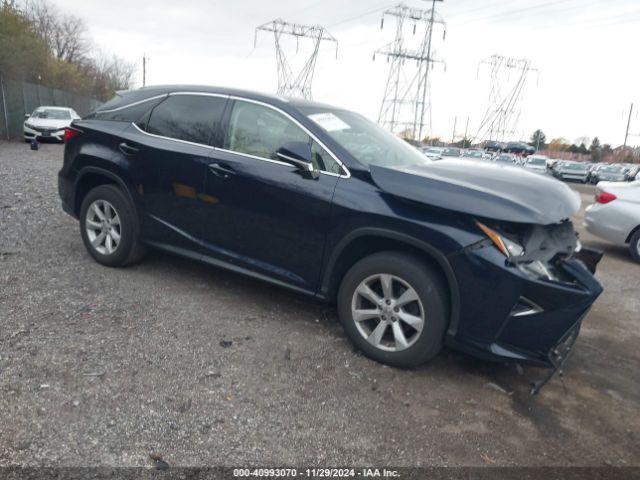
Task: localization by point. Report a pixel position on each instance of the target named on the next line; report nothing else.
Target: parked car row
(585, 172)
(565, 170)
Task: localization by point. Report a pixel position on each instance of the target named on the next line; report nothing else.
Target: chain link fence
(20, 98)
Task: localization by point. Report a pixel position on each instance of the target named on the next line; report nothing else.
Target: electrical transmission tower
(407, 99)
(508, 77)
(290, 84)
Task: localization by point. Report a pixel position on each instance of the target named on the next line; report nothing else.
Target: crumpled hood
(500, 192)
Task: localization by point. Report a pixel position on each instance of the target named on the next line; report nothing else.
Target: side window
(260, 131)
(192, 118)
(323, 161)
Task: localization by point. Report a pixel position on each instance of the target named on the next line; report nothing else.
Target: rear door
(168, 151)
(263, 215)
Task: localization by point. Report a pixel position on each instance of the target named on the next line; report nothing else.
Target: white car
(433, 153)
(616, 215)
(536, 163)
(48, 123)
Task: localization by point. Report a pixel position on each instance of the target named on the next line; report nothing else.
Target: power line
(514, 12)
(144, 69)
(290, 84)
(406, 94)
(361, 15)
(505, 97)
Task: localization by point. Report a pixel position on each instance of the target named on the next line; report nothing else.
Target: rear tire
(634, 245)
(388, 329)
(109, 227)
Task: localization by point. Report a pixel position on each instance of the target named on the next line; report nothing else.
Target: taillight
(605, 197)
(69, 133)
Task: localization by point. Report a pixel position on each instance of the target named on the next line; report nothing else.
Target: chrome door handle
(128, 149)
(221, 170)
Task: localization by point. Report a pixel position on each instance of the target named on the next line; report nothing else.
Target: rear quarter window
(132, 113)
(192, 118)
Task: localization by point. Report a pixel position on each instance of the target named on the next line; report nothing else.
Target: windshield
(451, 152)
(473, 154)
(369, 143)
(611, 169)
(576, 166)
(504, 159)
(536, 161)
(54, 114)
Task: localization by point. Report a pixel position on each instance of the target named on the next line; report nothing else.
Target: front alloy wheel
(388, 312)
(394, 307)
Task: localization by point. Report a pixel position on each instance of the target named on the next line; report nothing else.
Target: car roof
(125, 97)
(42, 107)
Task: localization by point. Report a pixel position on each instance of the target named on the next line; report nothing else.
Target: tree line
(596, 150)
(39, 44)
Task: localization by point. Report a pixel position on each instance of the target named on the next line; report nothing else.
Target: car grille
(45, 130)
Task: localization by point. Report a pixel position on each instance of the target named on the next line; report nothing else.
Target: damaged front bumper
(506, 313)
(558, 356)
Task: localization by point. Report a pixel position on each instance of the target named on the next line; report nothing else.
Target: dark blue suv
(318, 199)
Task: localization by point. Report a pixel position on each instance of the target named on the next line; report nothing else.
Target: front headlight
(28, 125)
(507, 246)
(512, 250)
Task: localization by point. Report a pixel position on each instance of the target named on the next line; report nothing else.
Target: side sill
(183, 252)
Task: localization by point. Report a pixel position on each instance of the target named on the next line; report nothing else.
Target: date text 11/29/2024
(316, 472)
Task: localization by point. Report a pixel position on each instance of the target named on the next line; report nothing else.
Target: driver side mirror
(27, 115)
(298, 154)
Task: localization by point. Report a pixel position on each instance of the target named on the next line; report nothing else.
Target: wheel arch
(631, 234)
(90, 177)
(367, 241)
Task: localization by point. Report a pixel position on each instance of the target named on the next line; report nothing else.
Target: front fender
(429, 250)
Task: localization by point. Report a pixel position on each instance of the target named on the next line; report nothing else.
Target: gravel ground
(103, 366)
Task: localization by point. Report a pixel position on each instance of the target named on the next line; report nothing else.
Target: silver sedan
(616, 215)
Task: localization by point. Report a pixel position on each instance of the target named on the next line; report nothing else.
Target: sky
(584, 52)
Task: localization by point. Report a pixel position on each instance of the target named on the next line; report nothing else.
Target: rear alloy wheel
(109, 227)
(103, 227)
(393, 307)
(634, 245)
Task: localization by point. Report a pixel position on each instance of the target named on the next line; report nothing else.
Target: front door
(265, 216)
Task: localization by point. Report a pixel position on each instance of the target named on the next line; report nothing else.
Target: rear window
(132, 113)
(52, 114)
(191, 118)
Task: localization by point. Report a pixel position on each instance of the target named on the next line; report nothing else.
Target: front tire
(634, 245)
(109, 227)
(394, 308)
